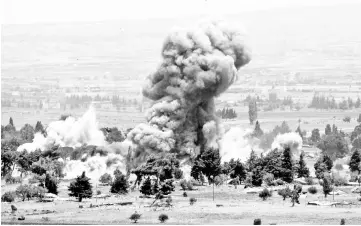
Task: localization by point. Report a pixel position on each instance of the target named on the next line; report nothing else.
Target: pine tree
(287, 174)
(326, 185)
(355, 161)
(257, 130)
(328, 129)
(358, 103)
(51, 185)
(146, 188)
(155, 188)
(252, 111)
(315, 137)
(211, 163)
(81, 187)
(120, 184)
(39, 128)
(27, 132)
(302, 170)
(251, 160)
(359, 118)
(11, 122)
(298, 130)
(334, 129)
(238, 171)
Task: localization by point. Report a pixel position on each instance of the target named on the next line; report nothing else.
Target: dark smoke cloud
(198, 65)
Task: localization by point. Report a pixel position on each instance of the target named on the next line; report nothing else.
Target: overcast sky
(40, 11)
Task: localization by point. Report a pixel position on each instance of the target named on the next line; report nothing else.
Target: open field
(238, 208)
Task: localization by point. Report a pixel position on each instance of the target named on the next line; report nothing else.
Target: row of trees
(322, 102)
(226, 113)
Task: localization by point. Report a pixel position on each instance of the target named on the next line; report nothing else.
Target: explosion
(291, 140)
(197, 66)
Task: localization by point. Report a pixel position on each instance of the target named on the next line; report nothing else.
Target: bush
(339, 181)
(264, 194)
(185, 194)
(257, 221)
(169, 201)
(134, 217)
(163, 218)
(309, 181)
(106, 178)
(183, 184)
(8, 197)
(343, 221)
(279, 182)
(312, 190)
(178, 174)
(192, 201)
(286, 192)
(99, 192)
(268, 179)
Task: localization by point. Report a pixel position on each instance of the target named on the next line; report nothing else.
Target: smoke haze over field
(198, 65)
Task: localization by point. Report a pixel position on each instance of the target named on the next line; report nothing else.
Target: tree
(264, 194)
(163, 218)
(295, 195)
(251, 160)
(355, 161)
(211, 163)
(135, 217)
(146, 188)
(113, 134)
(359, 117)
(9, 155)
(166, 187)
(315, 137)
(51, 184)
(302, 170)
(252, 111)
(238, 171)
(326, 185)
(299, 131)
(23, 191)
(27, 132)
(106, 178)
(81, 187)
(356, 143)
(358, 105)
(2, 132)
(178, 174)
(11, 122)
(347, 119)
(120, 185)
(287, 174)
(322, 165)
(334, 145)
(39, 128)
(257, 130)
(328, 129)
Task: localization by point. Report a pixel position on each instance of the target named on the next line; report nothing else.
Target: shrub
(218, 180)
(339, 180)
(163, 218)
(183, 184)
(279, 182)
(343, 221)
(106, 178)
(192, 201)
(285, 192)
(169, 201)
(167, 187)
(178, 174)
(312, 190)
(185, 194)
(268, 179)
(134, 217)
(189, 185)
(8, 197)
(309, 181)
(264, 194)
(257, 221)
(99, 192)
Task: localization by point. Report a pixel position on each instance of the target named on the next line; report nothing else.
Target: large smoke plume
(197, 66)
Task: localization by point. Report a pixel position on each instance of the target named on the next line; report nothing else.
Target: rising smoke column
(197, 66)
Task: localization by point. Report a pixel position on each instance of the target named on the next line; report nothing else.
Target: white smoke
(237, 143)
(291, 140)
(71, 132)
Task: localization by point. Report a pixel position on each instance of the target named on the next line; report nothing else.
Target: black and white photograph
(180, 112)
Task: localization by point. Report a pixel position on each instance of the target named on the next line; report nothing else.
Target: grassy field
(238, 208)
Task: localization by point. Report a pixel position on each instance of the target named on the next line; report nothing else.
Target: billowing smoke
(71, 132)
(197, 66)
(75, 133)
(237, 143)
(291, 140)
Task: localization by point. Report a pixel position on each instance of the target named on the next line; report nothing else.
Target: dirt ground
(238, 208)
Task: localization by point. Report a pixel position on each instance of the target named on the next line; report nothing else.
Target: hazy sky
(35, 11)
